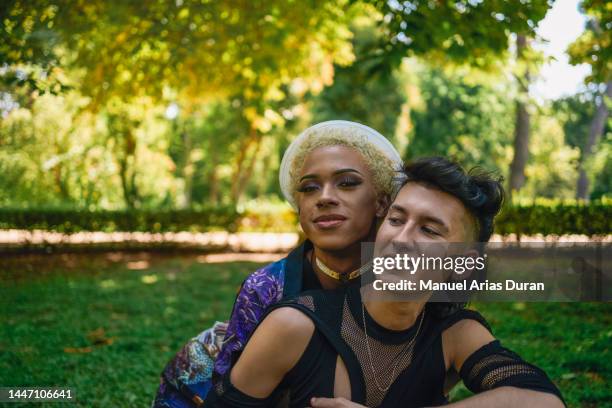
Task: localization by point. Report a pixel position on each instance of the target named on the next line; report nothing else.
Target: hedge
(74, 220)
(547, 219)
(556, 219)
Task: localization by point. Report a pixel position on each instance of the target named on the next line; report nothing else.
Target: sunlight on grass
(149, 279)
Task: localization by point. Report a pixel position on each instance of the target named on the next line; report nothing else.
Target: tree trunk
(127, 170)
(213, 176)
(187, 170)
(521, 127)
(213, 182)
(60, 183)
(124, 182)
(243, 181)
(240, 160)
(598, 125)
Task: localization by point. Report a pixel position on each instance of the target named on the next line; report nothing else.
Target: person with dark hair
(338, 349)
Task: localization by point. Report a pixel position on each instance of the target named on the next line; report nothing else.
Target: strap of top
(324, 308)
(293, 270)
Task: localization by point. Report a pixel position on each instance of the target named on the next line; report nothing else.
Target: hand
(333, 403)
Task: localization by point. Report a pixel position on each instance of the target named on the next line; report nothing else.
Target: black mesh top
(396, 371)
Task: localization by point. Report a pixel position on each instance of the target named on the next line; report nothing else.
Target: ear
(382, 205)
(470, 253)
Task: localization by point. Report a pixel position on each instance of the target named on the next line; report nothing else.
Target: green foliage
(465, 31)
(52, 154)
(358, 94)
(86, 85)
(71, 220)
(132, 49)
(548, 217)
(576, 113)
(471, 122)
(552, 167)
(602, 165)
(594, 46)
(556, 219)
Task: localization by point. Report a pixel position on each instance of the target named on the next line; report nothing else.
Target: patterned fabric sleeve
(260, 290)
(187, 377)
(494, 366)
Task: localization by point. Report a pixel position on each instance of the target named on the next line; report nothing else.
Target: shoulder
(465, 334)
(275, 348)
(289, 322)
(273, 271)
(266, 281)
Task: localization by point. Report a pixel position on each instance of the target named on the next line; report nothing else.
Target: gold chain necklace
(343, 277)
(397, 361)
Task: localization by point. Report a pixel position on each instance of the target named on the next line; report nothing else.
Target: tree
(187, 52)
(522, 119)
(464, 31)
(358, 94)
(575, 113)
(594, 47)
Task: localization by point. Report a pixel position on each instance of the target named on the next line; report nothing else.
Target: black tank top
(404, 376)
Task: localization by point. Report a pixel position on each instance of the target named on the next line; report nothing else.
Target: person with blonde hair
(339, 176)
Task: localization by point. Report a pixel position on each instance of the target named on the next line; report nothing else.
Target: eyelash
(430, 231)
(394, 221)
(349, 182)
(346, 182)
(305, 189)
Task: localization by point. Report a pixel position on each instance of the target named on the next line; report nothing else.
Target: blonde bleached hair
(382, 169)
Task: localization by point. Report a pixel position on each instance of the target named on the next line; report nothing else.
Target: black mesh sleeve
(493, 366)
(223, 394)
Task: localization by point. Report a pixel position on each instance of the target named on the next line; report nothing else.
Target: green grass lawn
(106, 330)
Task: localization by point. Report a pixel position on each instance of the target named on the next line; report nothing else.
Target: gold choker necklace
(343, 277)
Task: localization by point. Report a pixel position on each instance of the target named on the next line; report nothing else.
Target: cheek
(303, 216)
(363, 200)
(386, 232)
(383, 237)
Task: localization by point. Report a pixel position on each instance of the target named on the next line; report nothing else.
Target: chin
(335, 242)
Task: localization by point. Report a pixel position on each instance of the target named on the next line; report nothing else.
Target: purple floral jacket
(261, 289)
(187, 378)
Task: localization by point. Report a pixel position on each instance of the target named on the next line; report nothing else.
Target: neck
(395, 315)
(344, 261)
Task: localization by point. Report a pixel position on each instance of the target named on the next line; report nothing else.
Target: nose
(405, 240)
(327, 197)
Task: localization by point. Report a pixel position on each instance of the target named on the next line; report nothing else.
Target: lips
(329, 221)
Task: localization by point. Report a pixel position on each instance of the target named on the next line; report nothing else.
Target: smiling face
(423, 220)
(422, 215)
(336, 197)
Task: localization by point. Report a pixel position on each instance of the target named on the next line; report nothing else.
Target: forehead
(420, 200)
(329, 158)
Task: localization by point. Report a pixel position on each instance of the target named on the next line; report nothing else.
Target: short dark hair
(481, 192)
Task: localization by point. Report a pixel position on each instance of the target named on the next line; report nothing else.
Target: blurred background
(156, 104)
(171, 117)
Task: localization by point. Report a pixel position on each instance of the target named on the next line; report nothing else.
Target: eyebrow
(335, 173)
(429, 218)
